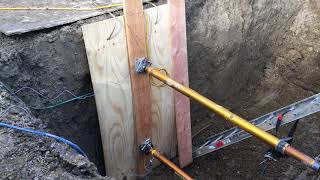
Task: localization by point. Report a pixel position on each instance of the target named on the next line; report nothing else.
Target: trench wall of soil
(250, 56)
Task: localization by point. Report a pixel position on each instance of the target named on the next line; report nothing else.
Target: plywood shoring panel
(159, 53)
(108, 61)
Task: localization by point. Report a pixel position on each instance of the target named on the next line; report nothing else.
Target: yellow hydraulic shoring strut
(147, 148)
(144, 66)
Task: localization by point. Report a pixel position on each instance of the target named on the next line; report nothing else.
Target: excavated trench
(250, 56)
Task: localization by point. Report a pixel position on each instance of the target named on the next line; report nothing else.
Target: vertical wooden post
(180, 73)
(136, 43)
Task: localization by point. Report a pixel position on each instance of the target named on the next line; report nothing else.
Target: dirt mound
(28, 156)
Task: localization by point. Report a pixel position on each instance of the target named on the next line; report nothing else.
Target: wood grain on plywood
(108, 63)
(159, 53)
(136, 45)
(109, 68)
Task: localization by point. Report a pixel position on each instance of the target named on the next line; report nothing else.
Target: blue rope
(59, 139)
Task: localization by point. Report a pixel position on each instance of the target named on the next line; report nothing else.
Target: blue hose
(59, 139)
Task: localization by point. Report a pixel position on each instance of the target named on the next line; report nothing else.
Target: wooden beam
(136, 43)
(180, 73)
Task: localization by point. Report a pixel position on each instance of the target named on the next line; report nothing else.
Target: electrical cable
(52, 105)
(40, 133)
(42, 95)
(82, 97)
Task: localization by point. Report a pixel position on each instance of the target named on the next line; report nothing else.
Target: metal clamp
(281, 146)
(316, 166)
(141, 65)
(146, 146)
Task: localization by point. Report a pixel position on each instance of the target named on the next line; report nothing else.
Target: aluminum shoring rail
(144, 66)
(266, 122)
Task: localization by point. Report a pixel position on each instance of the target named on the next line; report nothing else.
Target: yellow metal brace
(147, 148)
(144, 66)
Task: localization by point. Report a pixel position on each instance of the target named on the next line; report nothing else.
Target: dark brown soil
(250, 56)
(25, 155)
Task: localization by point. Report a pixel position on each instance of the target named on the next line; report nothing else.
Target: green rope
(52, 105)
(82, 97)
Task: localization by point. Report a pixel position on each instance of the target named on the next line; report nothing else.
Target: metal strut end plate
(146, 146)
(281, 146)
(141, 65)
(316, 166)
